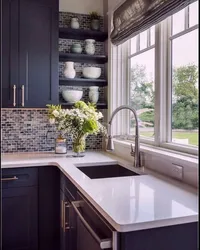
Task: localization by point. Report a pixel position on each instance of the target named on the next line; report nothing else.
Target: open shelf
(68, 105)
(82, 82)
(99, 59)
(82, 34)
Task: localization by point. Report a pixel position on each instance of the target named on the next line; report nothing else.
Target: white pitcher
(94, 94)
(69, 71)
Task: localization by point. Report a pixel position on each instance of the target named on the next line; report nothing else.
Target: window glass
(142, 93)
(143, 40)
(193, 13)
(152, 32)
(185, 89)
(133, 44)
(178, 22)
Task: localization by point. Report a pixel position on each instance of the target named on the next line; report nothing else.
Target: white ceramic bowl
(72, 95)
(91, 72)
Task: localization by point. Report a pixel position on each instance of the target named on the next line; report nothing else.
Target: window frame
(163, 84)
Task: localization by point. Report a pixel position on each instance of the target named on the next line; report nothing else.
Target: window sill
(160, 151)
(162, 160)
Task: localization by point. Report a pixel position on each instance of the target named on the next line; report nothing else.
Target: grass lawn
(192, 136)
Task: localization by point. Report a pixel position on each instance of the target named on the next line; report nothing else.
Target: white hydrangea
(55, 113)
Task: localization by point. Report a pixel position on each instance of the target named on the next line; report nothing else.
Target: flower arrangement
(79, 122)
(94, 15)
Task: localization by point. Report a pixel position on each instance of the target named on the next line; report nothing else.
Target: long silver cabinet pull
(14, 95)
(22, 95)
(10, 179)
(61, 214)
(103, 243)
(65, 224)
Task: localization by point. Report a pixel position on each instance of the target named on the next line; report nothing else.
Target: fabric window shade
(135, 16)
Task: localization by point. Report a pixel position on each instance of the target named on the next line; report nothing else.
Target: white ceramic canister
(89, 46)
(74, 23)
(69, 71)
(94, 94)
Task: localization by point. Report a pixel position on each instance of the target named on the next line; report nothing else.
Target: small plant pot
(95, 24)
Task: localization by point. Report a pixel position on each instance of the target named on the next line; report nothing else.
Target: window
(163, 81)
(184, 80)
(141, 80)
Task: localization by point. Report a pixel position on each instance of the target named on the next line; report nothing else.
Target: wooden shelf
(70, 105)
(82, 34)
(99, 59)
(82, 82)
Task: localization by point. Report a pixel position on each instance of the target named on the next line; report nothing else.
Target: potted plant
(78, 122)
(95, 20)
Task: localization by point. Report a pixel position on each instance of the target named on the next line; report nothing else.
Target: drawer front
(19, 177)
(67, 187)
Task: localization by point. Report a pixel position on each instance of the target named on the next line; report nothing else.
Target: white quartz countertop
(127, 203)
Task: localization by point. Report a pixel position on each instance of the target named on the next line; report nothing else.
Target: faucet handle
(132, 150)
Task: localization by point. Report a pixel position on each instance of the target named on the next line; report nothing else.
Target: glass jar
(60, 145)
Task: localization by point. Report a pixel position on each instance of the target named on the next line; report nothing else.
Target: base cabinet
(19, 218)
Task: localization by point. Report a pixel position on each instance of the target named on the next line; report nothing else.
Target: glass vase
(78, 146)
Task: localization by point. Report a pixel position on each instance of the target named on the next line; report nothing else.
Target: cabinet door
(64, 230)
(48, 203)
(9, 53)
(19, 218)
(67, 224)
(38, 59)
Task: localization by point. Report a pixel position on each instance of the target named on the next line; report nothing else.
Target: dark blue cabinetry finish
(19, 218)
(48, 207)
(30, 53)
(68, 225)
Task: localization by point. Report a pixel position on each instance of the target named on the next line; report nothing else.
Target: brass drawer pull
(10, 179)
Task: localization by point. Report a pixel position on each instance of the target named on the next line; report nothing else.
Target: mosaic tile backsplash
(29, 130)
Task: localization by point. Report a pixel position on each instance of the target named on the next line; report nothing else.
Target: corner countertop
(127, 203)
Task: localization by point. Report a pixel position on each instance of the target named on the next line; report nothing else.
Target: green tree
(141, 89)
(185, 98)
(185, 82)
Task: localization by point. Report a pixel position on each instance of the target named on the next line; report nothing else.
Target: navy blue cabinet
(29, 53)
(48, 207)
(68, 230)
(19, 218)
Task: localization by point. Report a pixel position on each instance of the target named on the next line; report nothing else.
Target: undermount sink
(106, 171)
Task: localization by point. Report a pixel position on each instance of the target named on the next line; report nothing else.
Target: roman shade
(135, 16)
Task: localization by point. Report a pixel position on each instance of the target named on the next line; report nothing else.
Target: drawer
(19, 177)
(67, 187)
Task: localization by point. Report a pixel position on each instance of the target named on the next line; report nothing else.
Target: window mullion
(169, 82)
(157, 103)
(187, 18)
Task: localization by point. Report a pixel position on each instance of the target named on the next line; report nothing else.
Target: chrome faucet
(136, 152)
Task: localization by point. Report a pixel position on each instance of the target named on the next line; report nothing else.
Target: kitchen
(121, 189)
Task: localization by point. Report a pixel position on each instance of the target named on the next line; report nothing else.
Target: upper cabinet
(30, 53)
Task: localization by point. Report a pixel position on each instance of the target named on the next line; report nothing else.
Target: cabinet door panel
(64, 233)
(38, 54)
(19, 218)
(9, 52)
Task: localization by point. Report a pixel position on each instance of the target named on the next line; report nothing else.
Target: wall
(83, 7)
